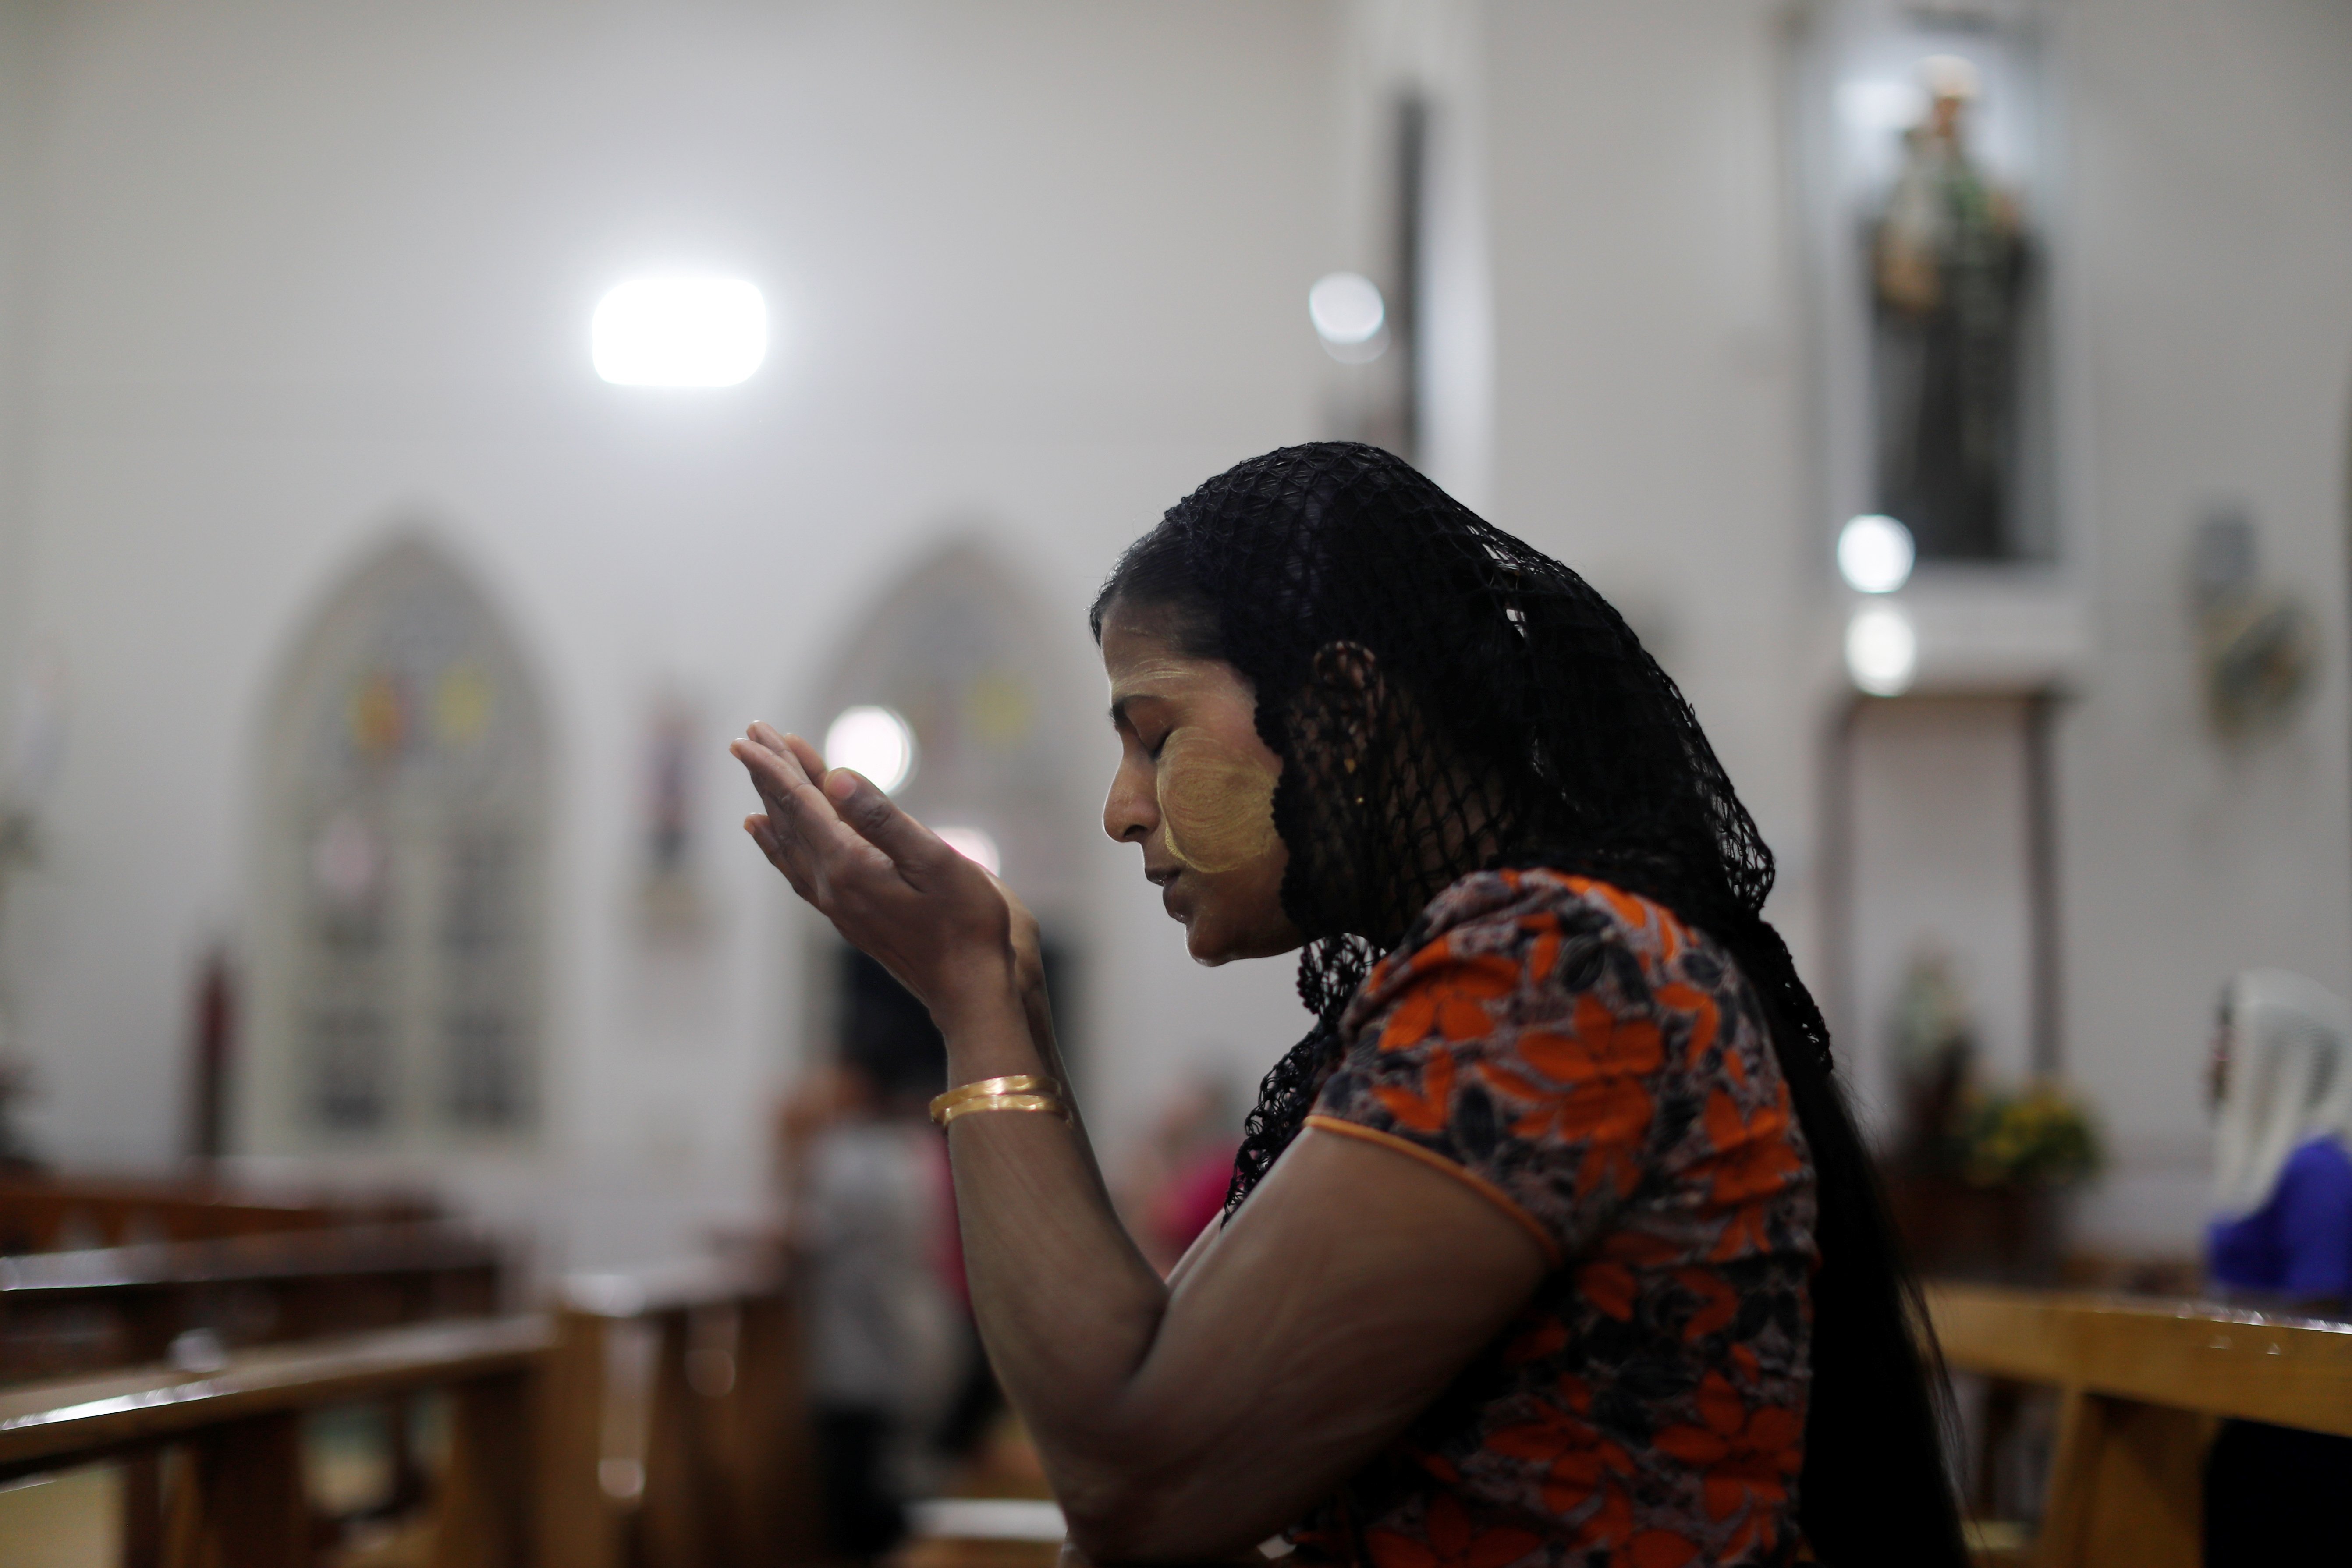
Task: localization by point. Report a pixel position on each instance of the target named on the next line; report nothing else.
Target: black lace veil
(1444, 698)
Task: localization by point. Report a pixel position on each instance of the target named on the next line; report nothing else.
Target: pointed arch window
(402, 871)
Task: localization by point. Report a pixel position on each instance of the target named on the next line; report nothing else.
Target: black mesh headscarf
(1444, 698)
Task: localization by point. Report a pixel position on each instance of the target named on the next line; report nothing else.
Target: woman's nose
(1130, 813)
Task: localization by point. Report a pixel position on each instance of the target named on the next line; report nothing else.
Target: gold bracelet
(1018, 1083)
(1044, 1102)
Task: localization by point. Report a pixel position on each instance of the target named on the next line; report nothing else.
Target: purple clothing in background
(2299, 1244)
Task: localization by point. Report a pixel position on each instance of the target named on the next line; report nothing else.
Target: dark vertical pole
(1836, 830)
(1404, 301)
(2042, 875)
(216, 1034)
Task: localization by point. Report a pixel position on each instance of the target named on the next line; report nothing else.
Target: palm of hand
(936, 922)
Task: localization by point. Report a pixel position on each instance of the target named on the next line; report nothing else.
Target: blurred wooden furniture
(652, 1419)
(235, 1497)
(65, 1312)
(681, 1434)
(2142, 1382)
(54, 1214)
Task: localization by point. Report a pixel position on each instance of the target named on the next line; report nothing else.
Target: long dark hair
(1482, 706)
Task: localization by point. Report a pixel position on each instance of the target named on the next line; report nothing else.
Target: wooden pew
(235, 1496)
(47, 1214)
(681, 1433)
(2142, 1382)
(67, 1313)
(654, 1419)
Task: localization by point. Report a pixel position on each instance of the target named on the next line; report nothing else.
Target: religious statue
(1948, 269)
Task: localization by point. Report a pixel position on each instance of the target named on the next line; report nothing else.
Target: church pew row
(84, 1312)
(2142, 1384)
(49, 1214)
(652, 1420)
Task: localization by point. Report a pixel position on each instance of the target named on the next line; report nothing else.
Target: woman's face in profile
(1196, 789)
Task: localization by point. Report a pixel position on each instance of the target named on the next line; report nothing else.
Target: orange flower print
(1450, 1001)
(1633, 911)
(1601, 1043)
(1660, 1549)
(1451, 1540)
(1609, 1287)
(1579, 1462)
(1747, 1457)
(1754, 1163)
(1424, 1110)
(1489, 1045)
(1705, 1022)
(1546, 1338)
(1718, 1304)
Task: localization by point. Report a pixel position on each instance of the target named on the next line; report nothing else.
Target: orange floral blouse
(1601, 1073)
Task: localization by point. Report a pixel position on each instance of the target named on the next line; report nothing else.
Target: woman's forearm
(1068, 1305)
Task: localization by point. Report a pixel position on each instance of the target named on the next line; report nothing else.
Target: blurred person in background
(2280, 1084)
(1175, 1185)
(1553, 1240)
(868, 1219)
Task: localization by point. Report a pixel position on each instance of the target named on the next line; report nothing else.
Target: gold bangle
(1018, 1083)
(1044, 1102)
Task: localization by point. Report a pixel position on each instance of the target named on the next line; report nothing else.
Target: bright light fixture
(1874, 553)
(1882, 651)
(974, 845)
(680, 332)
(874, 741)
(1350, 316)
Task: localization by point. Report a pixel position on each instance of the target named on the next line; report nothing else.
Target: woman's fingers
(875, 818)
(801, 821)
(811, 761)
(756, 826)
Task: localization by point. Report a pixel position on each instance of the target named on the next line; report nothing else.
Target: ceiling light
(680, 332)
(1874, 553)
(1882, 651)
(874, 741)
(1350, 316)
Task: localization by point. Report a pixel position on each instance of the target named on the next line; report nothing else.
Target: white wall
(19, 45)
(1649, 428)
(307, 273)
(1939, 857)
(2209, 145)
(1650, 432)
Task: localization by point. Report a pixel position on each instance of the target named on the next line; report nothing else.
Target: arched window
(401, 875)
(993, 699)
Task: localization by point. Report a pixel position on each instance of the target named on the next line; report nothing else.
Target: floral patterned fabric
(1602, 1073)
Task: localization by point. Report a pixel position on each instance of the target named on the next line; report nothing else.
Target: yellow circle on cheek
(1216, 803)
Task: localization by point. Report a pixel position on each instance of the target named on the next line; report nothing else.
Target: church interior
(429, 434)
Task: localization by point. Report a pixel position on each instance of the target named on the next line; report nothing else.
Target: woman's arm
(1174, 1424)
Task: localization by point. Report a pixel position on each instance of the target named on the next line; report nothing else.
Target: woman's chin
(1204, 943)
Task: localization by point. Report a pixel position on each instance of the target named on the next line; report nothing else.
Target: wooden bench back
(694, 1449)
(63, 1314)
(238, 1499)
(2142, 1382)
(75, 1214)
(557, 1457)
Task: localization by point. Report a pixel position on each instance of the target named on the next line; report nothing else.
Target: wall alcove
(400, 873)
(958, 649)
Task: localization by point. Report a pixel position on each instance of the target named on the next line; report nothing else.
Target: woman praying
(1552, 1241)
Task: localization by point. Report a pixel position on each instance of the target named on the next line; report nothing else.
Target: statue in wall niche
(1948, 265)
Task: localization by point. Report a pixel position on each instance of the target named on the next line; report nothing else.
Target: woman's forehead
(1143, 661)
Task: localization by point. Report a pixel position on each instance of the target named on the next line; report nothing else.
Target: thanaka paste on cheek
(1216, 804)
